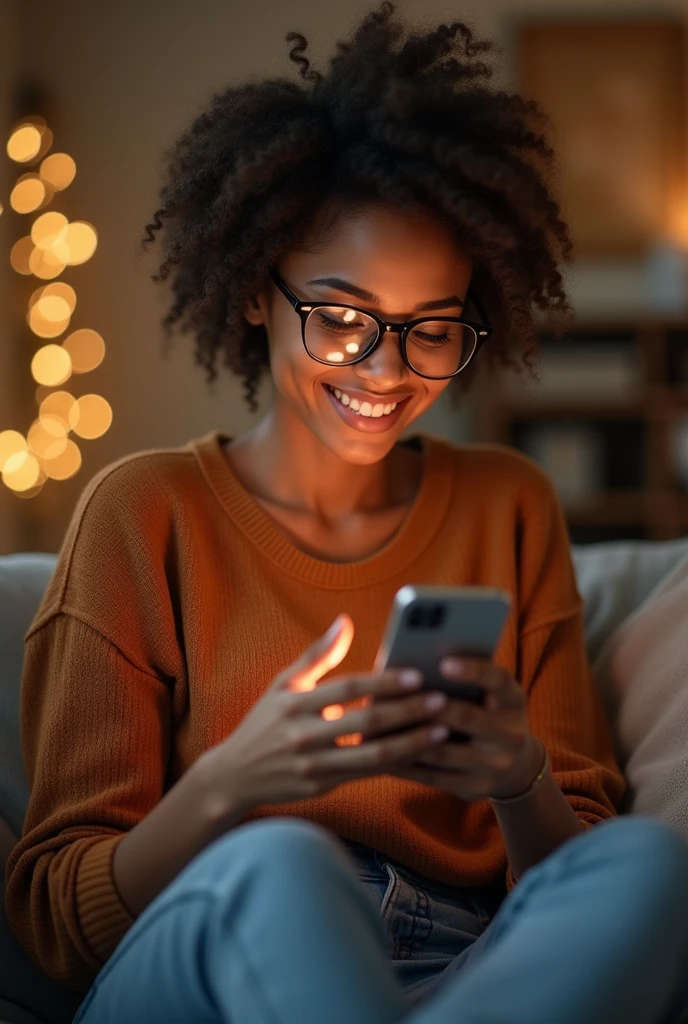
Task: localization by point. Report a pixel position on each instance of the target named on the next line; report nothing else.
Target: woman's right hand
(284, 749)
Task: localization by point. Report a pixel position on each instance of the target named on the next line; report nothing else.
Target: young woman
(367, 237)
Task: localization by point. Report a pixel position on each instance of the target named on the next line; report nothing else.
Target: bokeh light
(66, 464)
(58, 170)
(47, 437)
(46, 229)
(46, 264)
(50, 316)
(60, 288)
(21, 471)
(24, 143)
(11, 443)
(20, 255)
(28, 194)
(52, 244)
(91, 416)
(51, 365)
(86, 348)
(81, 241)
(59, 405)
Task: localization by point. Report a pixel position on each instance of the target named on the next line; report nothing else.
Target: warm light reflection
(51, 365)
(307, 679)
(352, 347)
(58, 170)
(28, 194)
(24, 144)
(90, 416)
(86, 348)
(335, 357)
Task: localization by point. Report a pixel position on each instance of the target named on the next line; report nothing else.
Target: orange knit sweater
(177, 599)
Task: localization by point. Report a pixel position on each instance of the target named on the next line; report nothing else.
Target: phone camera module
(426, 616)
(436, 617)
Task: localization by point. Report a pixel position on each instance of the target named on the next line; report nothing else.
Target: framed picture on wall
(616, 94)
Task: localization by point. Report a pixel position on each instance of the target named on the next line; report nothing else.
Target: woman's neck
(281, 460)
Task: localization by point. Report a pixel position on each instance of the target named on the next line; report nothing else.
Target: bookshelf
(608, 421)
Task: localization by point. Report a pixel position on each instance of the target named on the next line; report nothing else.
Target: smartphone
(427, 624)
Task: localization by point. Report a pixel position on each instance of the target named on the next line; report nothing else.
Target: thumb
(326, 653)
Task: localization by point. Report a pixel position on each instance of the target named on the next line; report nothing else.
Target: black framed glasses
(338, 334)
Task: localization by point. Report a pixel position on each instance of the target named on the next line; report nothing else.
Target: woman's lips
(366, 424)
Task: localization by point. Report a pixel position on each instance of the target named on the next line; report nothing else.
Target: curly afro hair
(401, 117)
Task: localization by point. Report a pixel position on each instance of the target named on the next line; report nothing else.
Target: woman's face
(402, 261)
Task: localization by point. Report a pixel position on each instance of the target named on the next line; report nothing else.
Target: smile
(369, 416)
(363, 408)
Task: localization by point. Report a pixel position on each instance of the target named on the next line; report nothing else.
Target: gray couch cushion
(27, 996)
(23, 580)
(615, 578)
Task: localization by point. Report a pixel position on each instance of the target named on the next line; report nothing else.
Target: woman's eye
(338, 325)
(433, 339)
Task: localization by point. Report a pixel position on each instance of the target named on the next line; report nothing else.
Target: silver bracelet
(535, 784)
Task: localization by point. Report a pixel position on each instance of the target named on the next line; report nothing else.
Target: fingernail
(435, 701)
(453, 665)
(439, 732)
(410, 677)
(334, 628)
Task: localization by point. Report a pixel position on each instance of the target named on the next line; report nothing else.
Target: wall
(11, 507)
(124, 79)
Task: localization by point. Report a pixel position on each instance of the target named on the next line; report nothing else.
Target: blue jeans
(278, 922)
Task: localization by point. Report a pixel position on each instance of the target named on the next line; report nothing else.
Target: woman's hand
(501, 758)
(285, 748)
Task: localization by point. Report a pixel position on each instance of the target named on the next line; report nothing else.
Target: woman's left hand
(501, 759)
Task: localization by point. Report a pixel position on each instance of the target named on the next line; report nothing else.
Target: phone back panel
(419, 636)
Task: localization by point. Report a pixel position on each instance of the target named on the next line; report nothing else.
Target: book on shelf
(569, 374)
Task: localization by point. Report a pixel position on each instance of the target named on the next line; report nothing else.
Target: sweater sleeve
(564, 707)
(96, 735)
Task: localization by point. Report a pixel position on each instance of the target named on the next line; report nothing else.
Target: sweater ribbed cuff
(103, 917)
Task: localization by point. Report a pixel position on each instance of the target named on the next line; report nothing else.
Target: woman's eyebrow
(339, 285)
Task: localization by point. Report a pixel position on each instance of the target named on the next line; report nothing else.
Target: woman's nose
(385, 368)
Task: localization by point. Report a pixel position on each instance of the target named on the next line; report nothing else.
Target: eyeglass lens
(435, 348)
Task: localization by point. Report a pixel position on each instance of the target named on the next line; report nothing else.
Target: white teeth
(364, 408)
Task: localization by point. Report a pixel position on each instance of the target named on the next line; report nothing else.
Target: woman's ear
(253, 310)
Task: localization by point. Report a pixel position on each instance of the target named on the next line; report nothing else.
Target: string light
(52, 244)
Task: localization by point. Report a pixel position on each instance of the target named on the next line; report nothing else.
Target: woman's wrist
(535, 770)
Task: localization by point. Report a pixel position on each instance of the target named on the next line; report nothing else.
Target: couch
(616, 579)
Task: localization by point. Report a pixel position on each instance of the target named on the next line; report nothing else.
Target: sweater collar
(421, 524)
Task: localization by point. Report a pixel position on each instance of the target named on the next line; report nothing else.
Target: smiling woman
(208, 643)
